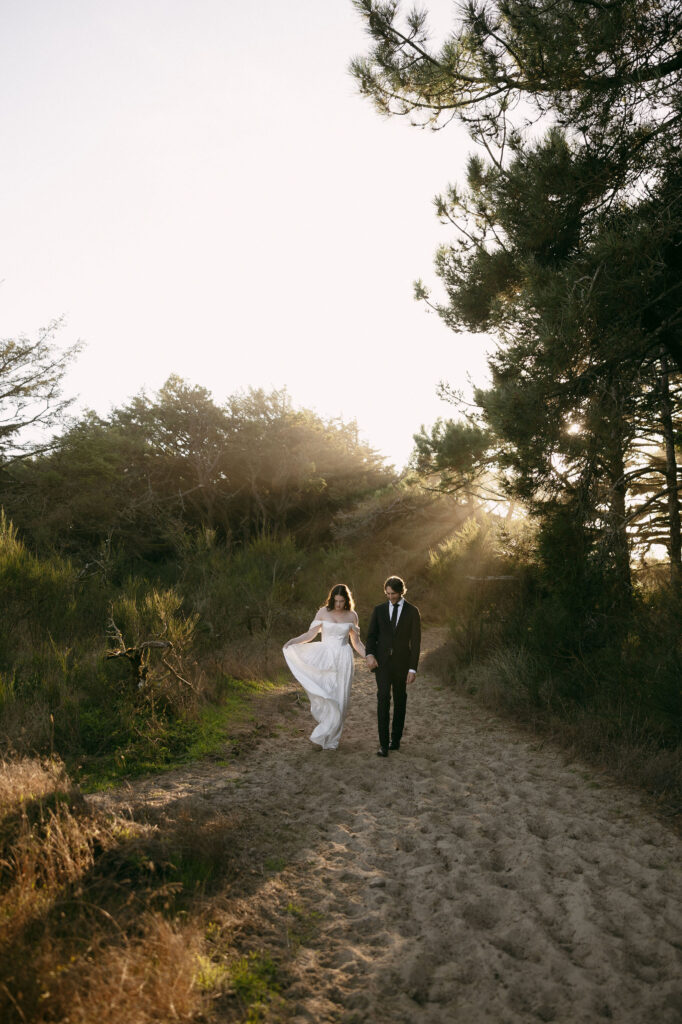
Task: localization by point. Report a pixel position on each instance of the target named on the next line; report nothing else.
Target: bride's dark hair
(342, 589)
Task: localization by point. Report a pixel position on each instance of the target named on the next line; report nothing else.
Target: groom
(392, 651)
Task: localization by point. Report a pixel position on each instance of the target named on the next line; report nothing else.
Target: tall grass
(77, 941)
(171, 917)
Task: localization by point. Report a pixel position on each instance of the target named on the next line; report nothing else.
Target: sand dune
(473, 876)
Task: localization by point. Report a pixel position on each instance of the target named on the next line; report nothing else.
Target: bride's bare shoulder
(322, 613)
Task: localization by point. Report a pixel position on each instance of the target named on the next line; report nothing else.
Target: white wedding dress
(325, 671)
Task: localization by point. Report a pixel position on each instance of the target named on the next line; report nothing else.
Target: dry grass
(80, 941)
(629, 756)
(149, 978)
(109, 919)
(257, 656)
(28, 779)
(26, 725)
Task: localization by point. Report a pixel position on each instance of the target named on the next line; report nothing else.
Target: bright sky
(197, 186)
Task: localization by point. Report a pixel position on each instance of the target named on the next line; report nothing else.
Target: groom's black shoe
(382, 752)
(394, 745)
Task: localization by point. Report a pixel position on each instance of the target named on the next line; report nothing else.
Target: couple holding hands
(325, 670)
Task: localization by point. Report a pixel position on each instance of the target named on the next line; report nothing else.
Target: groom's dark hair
(395, 583)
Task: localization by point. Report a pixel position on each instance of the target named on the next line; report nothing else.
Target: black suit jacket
(397, 651)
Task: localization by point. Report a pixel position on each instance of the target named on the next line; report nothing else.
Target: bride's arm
(355, 639)
(310, 634)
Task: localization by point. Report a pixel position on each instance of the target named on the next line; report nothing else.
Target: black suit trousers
(391, 681)
(396, 651)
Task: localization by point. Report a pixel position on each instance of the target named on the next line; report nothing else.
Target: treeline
(165, 467)
(568, 249)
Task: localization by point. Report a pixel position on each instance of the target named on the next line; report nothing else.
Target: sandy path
(473, 876)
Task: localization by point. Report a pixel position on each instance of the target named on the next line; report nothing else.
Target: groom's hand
(411, 676)
(371, 662)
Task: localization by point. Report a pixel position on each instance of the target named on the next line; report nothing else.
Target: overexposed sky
(197, 186)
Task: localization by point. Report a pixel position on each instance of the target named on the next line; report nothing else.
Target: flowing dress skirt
(325, 671)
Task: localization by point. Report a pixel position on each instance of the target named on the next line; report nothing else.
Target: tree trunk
(618, 492)
(675, 543)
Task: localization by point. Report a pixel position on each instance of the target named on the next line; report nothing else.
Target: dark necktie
(394, 615)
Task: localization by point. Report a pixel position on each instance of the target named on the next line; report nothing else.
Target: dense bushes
(95, 670)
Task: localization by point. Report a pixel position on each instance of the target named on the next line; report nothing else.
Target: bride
(325, 670)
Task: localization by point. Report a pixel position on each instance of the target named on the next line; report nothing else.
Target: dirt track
(473, 876)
